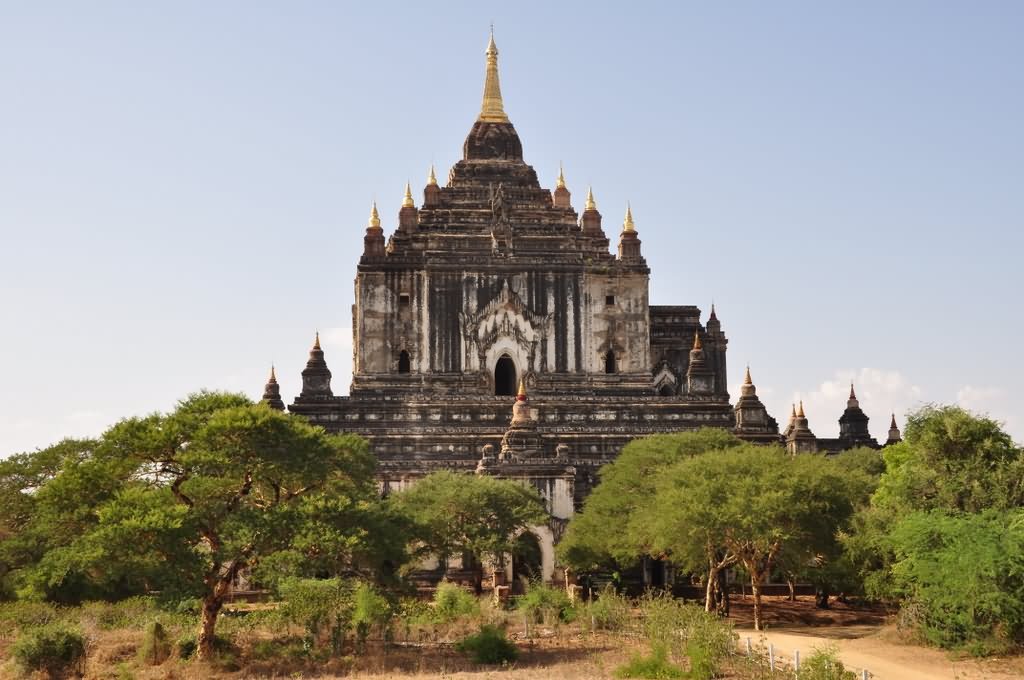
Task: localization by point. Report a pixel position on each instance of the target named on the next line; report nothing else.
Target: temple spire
(560, 180)
(800, 413)
(407, 201)
(627, 224)
(272, 392)
(521, 396)
(697, 345)
(374, 222)
(492, 110)
(746, 377)
(432, 178)
(316, 343)
(590, 205)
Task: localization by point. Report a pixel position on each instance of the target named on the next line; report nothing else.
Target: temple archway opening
(527, 561)
(505, 377)
(404, 364)
(609, 362)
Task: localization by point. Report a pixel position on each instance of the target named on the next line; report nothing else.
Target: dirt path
(863, 647)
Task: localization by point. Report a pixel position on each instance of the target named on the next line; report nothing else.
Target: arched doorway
(505, 377)
(667, 390)
(527, 561)
(609, 362)
(403, 362)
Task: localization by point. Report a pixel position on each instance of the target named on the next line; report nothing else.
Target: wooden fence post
(771, 656)
(796, 660)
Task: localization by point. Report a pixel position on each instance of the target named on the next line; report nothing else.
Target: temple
(495, 286)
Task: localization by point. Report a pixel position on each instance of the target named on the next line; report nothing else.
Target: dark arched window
(404, 365)
(666, 390)
(505, 376)
(609, 362)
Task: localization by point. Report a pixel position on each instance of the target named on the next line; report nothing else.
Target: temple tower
(853, 424)
(752, 420)
(272, 392)
(799, 438)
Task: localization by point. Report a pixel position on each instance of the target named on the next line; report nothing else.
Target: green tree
(454, 513)
(207, 491)
(753, 505)
(596, 536)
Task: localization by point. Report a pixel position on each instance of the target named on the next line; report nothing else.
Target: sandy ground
(867, 647)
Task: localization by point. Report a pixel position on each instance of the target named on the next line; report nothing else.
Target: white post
(796, 660)
(749, 651)
(771, 656)
(865, 675)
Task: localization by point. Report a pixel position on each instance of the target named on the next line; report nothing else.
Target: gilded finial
(746, 378)
(273, 374)
(627, 224)
(493, 109)
(560, 180)
(316, 343)
(800, 413)
(407, 201)
(432, 178)
(374, 222)
(591, 205)
(521, 396)
(792, 414)
(696, 340)
(852, 394)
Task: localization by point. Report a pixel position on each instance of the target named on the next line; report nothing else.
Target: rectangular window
(609, 300)
(403, 301)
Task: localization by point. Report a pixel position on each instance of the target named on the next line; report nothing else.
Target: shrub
(52, 649)
(675, 629)
(489, 646)
(223, 646)
(321, 606)
(609, 611)
(369, 609)
(452, 602)
(544, 603)
(15, 616)
(156, 647)
(824, 664)
(128, 613)
(655, 667)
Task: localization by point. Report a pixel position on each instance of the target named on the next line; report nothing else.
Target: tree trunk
(821, 597)
(792, 589)
(207, 626)
(723, 595)
(709, 596)
(755, 589)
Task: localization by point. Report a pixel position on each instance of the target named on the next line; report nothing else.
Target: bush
(370, 609)
(323, 607)
(155, 648)
(824, 664)
(655, 667)
(489, 646)
(15, 616)
(452, 602)
(545, 604)
(609, 611)
(128, 613)
(52, 649)
(675, 629)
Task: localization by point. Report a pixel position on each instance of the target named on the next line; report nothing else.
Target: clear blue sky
(184, 186)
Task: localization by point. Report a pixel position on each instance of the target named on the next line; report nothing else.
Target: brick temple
(495, 288)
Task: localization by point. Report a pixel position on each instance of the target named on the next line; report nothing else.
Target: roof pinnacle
(521, 395)
(493, 109)
(627, 224)
(892, 424)
(792, 414)
(374, 222)
(316, 343)
(591, 205)
(432, 178)
(560, 180)
(407, 201)
(273, 374)
(800, 413)
(853, 395)
(746, 378)
(696, 340)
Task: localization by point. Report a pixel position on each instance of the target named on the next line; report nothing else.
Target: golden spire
(591, 205)
(792, 414)
(521, 396)
(316, 343)
(746, 378)
(407, 201)
(627, 224)
(432, 178)
(273, 374)
(492, 110)
(560, 181)
(800, 413)
(374, 222)
(696, 340)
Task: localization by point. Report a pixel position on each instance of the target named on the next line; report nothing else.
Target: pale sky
(184, 186)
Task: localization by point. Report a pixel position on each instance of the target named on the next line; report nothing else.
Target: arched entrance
(505, 377)
(609, 362)
(403, 362)
(527, 561)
